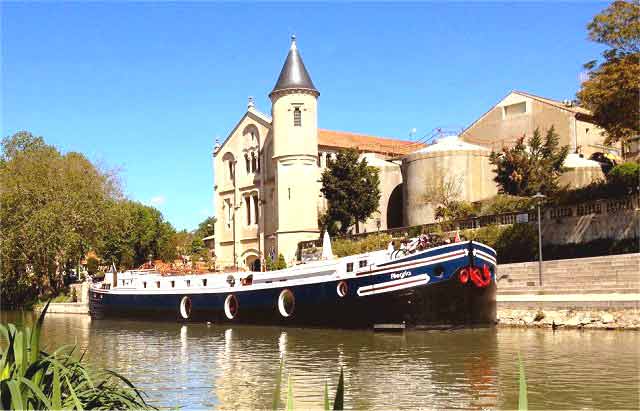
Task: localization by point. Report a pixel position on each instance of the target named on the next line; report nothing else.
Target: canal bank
(596, 292)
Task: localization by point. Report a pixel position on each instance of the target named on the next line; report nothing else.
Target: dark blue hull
(379, 296)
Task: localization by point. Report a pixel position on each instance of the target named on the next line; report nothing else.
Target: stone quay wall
(591, 293)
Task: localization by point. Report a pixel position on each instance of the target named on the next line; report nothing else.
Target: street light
(539, 198)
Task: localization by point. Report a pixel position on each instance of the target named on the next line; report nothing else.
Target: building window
(227, 205)
(157, 284)
(319, 157)
(247, 203)
(254, 163)
(349, 267)
(204, 282)
(173, 284)
(247, 163)
(258, 159)
(515, 109)
(188, 283)
(256, 212)
(297, 117)
(231, 171)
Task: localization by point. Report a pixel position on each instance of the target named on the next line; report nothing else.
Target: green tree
(531, 167)
(612, 91)
(52, 211)
(92, 265)
(351, 188)
(206, 228)
(136, 233)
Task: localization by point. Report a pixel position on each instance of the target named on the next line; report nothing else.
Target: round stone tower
(294, 114)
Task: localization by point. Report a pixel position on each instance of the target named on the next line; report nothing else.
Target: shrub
(281, 263)
(505, 203)
(518, 242)
(624, 178)
(344, 246)
(92, 265)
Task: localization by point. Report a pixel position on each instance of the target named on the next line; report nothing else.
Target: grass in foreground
(31, 379)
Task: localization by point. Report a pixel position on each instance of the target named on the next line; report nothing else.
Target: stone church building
(267, 171)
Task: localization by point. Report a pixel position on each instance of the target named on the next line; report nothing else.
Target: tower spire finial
(293, 42)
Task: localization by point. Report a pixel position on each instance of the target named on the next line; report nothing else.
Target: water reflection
(209, 366)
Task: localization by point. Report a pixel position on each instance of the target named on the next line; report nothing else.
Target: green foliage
(622, 180)
(289, 406)
(504, 203)
(197, 245)
(33, 379)
(612, 91)
(281, 264)
(135, 234)
(344, 246)
(531, 167)
(456, 210)
(276, 393)
(206, 228)
(52, 211)
(518, 242)
(351, 188)
(625, 178)
(338, 403)
(92, 265)
(523, 403)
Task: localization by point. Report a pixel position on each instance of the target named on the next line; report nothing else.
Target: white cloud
(157, 200)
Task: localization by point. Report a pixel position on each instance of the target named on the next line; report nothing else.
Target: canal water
(200, 366)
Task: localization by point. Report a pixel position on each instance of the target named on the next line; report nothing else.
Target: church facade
(267, 171)
(267, 174)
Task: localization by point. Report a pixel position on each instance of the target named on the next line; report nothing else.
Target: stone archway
(395, 207)
(252, 262)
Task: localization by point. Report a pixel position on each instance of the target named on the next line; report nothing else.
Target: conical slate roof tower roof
(294, 75)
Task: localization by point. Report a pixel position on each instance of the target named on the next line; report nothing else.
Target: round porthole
(342, 288)
(185, 307)
(286, 303)
(231, 306)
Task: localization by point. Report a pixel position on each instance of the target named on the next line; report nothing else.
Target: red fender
(463, 275)
(481, 279)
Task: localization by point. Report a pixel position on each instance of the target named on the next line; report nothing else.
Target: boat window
(188, 283)
(204, 282)
(158, 284)
(144, 284)
(349, 267)
(363, 263)
(173, 284)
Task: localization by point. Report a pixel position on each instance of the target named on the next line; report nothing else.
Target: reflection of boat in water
(452, 284)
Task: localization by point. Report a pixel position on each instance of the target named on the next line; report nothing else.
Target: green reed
(32, 379)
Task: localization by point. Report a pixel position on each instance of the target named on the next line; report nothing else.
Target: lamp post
(539, 198)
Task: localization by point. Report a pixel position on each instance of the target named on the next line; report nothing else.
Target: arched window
(247, 203)
(256, 212)
(297, 117)
(258, 158)
(247, 163)
(254, 164)
(231, 171)
(227, 204)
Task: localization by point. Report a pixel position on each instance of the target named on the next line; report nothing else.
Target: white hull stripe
(486, 259)
(416, 263)
(484, 256)
(395, 285)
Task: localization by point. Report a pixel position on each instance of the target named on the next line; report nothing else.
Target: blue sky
(147, 87)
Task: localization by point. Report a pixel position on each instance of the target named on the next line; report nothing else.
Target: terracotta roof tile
(343, 139)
